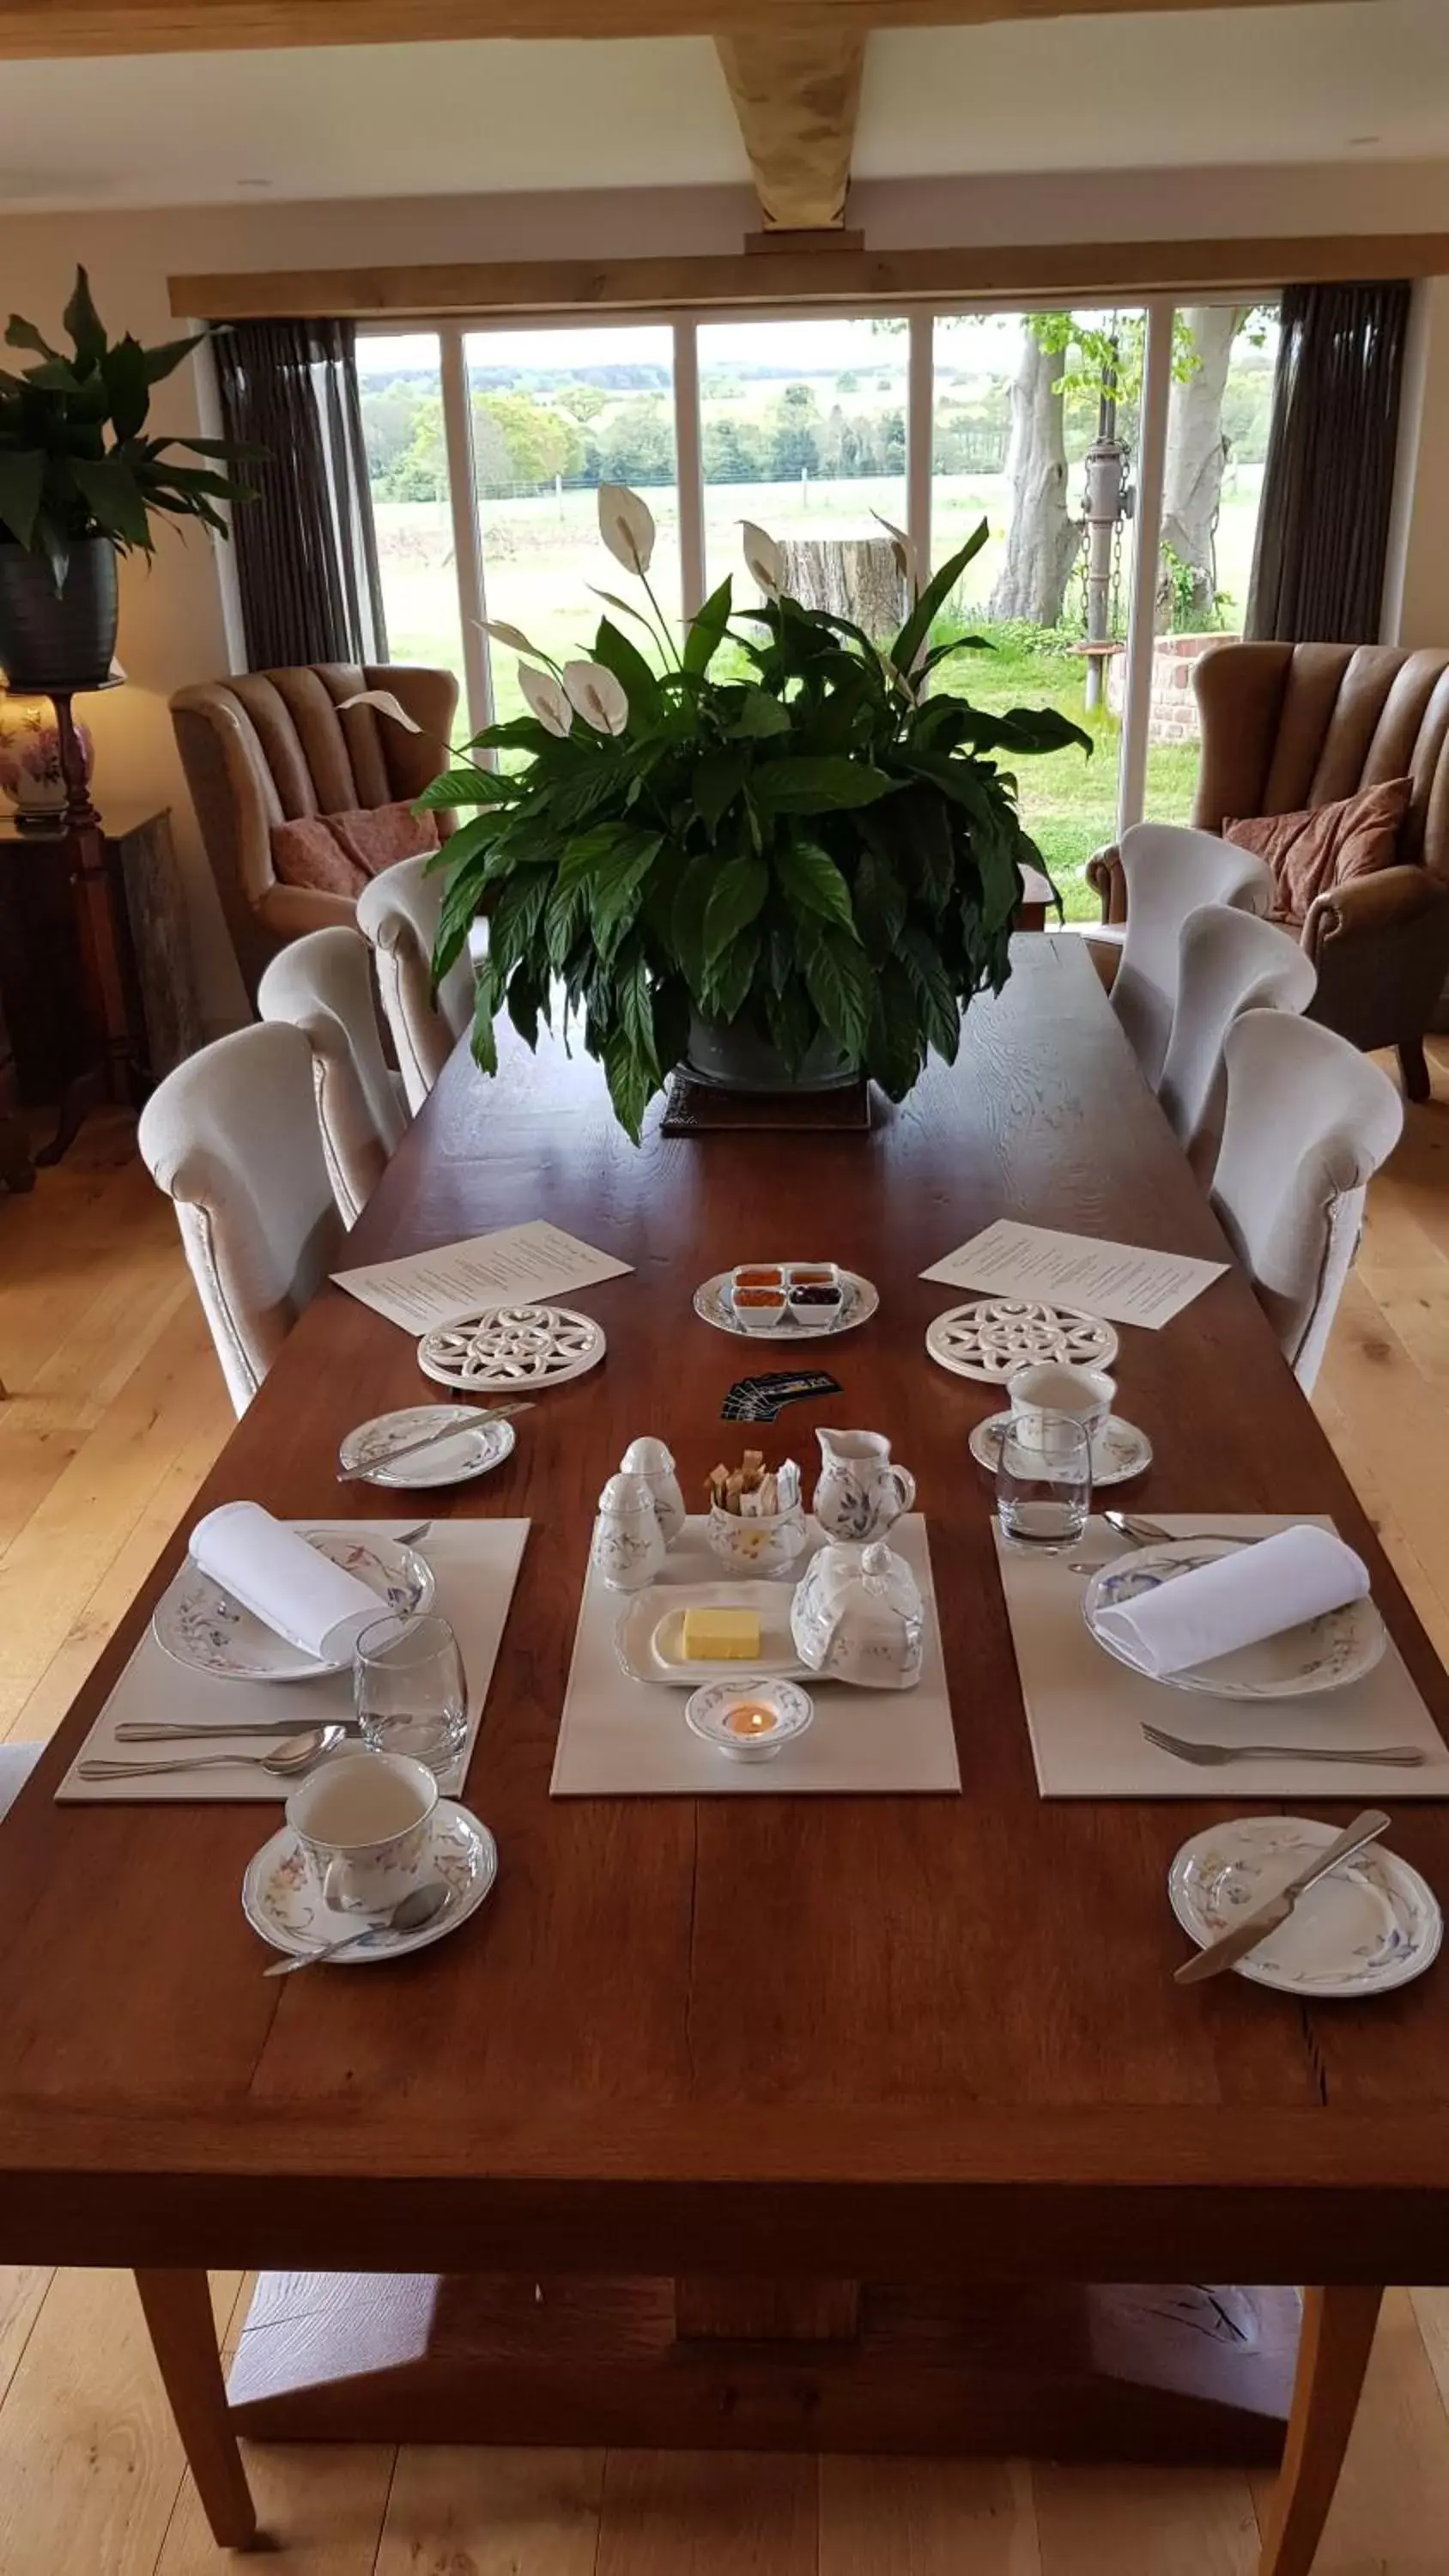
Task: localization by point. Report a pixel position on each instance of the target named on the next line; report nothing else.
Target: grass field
(541, 555)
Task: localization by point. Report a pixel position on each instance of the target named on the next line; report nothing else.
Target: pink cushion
(1323, 847)
(339, 853)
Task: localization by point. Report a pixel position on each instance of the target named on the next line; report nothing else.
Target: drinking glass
(409, 1688)
(1044, 1479)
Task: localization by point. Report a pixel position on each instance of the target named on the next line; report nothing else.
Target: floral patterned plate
(859, 1301)
(1322, 1654)
(1119, 1450)
(282, 1901)
(199, 1625)
(1372, 1924)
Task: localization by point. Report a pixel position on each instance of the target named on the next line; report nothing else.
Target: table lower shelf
(1188, 2374)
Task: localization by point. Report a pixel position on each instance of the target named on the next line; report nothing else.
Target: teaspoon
(288, 1761)
(408, 1915)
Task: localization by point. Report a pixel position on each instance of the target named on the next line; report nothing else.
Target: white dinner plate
(648, 1637)
(282, 1901)
(1372, 1924)
(860, 1299)
(1119, 1450)
(473, 1445)
(199, 1625)
(1322, 1654)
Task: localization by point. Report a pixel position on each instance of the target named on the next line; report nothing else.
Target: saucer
(283, 1903)
(1321, 1654)
(476, 1444)
(708, 1713)
(199, 1625)
(1119, 1450)
(1371, 1925)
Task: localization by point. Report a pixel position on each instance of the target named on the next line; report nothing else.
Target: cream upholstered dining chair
(1170, 872)
(398, 914)
(1228, 962)
(17, 1761)
(322, 985)
(1309, 1121)
(232, 1138)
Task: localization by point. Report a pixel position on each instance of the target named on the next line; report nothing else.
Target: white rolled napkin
(287, 1584)
(1255, 1591)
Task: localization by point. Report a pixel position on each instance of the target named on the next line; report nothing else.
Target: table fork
(1398, 1757)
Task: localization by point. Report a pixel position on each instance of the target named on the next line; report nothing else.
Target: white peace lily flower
(596, 695)
(626, 525)
(546, 699)
(903, 549)
(763, 559)
(386, 705)
(512, 636)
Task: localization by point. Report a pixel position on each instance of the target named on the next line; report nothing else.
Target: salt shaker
(651, 1461)
(628, 1543)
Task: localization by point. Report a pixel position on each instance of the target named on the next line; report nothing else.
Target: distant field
(542, 555)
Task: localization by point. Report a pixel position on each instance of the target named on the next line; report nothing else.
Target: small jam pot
(750, 1720)
(757, 1302)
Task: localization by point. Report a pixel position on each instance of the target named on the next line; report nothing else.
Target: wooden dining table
(822, 2122)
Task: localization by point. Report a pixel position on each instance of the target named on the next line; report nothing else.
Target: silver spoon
(288, 1761)
(1145, 1533)
(408, 1915)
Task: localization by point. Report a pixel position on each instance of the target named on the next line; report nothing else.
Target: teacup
(1055, 1386)
(365, 1822)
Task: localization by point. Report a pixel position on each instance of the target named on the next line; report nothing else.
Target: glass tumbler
(409, 1688)
(1044, 1479)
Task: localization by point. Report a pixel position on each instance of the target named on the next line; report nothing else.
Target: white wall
(172, 625)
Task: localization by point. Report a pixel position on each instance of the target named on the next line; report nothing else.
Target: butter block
(720, 1636)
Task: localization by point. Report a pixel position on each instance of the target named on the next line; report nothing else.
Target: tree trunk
(1196, 455)
(1042, 540)
(854, 577)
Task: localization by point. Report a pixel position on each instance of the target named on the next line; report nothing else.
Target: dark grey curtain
(1318, 568)
(306, 552)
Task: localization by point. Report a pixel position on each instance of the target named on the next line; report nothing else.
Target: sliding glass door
(400, 387)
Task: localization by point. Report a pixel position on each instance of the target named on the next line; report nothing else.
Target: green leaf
(731, 979)
(83, 322)
(162, 360)
(614, 889)
(841, 987)
(880, 905)
(562, 917)
(933, 599)
(939, 1006)
(524, 1002)
(895, 1047)
(57, 376)
(817, 786)
(23, 335)
(758, 716)
(22, 478)
(636, 1010)
(714, 785)
(631, 1083)
(455, 787)
(485, 1005)
(813, 883)
(691, 899)
(791, 1021)
(639, 683)
(707, 629)
(112, 495)
(128, 387)
(735, 898)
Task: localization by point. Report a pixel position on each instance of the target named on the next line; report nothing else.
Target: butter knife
(1255, 1927)
(361, 1473)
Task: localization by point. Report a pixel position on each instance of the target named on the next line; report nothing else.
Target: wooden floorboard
(117, 1410)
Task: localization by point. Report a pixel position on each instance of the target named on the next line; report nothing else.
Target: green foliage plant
(827, 847)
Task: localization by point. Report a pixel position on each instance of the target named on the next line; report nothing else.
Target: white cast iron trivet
(992, 1337)
(508, 1347)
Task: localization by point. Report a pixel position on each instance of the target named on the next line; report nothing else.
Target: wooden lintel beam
(58, 28)
(796, 98)
(860, 279)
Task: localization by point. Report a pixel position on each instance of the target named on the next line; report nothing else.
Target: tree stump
(854, 577)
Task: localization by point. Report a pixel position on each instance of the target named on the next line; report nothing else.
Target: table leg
(1333, 2352)
(177, 2307)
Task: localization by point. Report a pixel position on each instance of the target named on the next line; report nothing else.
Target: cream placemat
(1085, 1711)
(620, 1738)
(476, 1565)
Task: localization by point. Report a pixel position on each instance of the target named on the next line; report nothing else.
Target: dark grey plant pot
(733, 1058)
(58, 642)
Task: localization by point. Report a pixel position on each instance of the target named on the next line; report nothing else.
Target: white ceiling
(1321, 81)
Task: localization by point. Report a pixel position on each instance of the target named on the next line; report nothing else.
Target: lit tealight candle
(752, 1718)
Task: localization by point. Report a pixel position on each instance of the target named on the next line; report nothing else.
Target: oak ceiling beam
(796, 98)
(859, 280)
(85, 27)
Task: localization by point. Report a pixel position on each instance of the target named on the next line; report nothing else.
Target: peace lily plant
(805, 841)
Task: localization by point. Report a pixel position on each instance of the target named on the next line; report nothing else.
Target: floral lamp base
(30, 764)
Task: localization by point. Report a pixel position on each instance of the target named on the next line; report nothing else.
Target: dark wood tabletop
(948, 2022)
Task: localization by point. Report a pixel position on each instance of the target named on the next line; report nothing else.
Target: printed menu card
(519, 1265)
(1119, 1280)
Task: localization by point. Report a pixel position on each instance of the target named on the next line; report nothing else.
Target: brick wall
(1174, 708)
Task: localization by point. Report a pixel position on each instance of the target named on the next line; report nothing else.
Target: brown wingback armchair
(1290, 726)
(267, 747)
